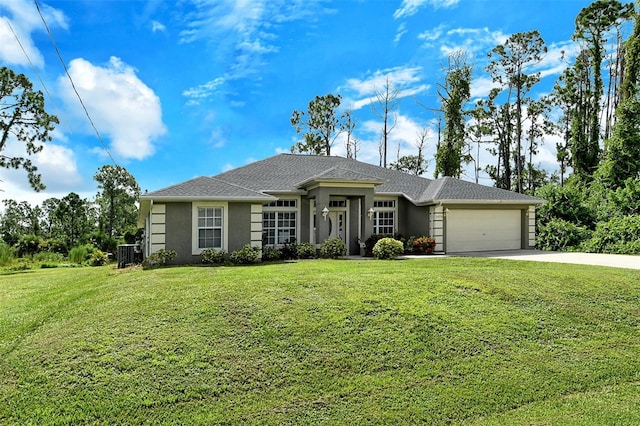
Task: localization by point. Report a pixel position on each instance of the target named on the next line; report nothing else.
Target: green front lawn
(435, 340)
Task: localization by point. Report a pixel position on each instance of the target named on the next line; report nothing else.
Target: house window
(384, 217)
(209, 227)
(279, 224)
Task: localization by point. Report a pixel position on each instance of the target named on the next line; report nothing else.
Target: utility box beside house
(129, 254)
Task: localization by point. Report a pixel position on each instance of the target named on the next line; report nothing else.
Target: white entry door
(337, 226)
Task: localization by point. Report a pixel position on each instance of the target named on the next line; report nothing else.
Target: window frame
(279, 208)
(385, 205)
(195, 235)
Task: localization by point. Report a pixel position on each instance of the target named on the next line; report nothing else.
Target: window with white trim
(384, 217)
(209, 232)
(279, 222)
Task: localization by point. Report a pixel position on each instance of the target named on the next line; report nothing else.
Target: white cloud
(401, 31)
(205, 90)
(57, 165)
(19, 18)
(157, 26)
(411, 7)
(472, 40)
(121, 106)
(361, 92)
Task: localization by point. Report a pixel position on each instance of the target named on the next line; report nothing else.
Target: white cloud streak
(411, 7)
(362, 92)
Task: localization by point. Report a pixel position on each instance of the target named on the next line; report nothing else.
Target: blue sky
(196, 87)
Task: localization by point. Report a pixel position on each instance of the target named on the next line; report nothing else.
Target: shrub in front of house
(245, 256)
(289, 251)
(333, 248)
(159, 258)
(307, 251)
(371, 242)
(388, 248)
(213, 256)
(619, 235)
(270, 254)
(422, 245)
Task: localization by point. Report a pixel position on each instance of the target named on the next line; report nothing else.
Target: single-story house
(306, 198)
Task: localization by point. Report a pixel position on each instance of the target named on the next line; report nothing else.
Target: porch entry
(337, 218)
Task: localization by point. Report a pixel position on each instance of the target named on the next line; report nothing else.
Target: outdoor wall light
(325, 213)
(370, 213)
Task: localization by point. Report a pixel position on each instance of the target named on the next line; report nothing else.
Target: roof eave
(187, 198)
(479, 202)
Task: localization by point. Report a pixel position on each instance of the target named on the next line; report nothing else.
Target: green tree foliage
(622, 158)
(510, 68)
(23, 119)
(74, 215)
(454, 94)
(592, 26)
(17, 220)
(319, 126)
(117, 197)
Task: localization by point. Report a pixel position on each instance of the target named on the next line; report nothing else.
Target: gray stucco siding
(179, 231)
(239, 224)
(412, 220)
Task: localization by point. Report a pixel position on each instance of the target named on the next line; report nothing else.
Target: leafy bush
(28, 245)
(47, 256)
(307, 251)
(6, 253)
(559, 234)
(422, 245)
(333, 248)
(619, 235)
(289, 251)
(78, 254)
(568, 202)
(57, 245)
(159, 258)
(214, 257)
(245, 256)
(269, 254)
(104, 242)
(98, 258)
(371, 242)
(388, 248)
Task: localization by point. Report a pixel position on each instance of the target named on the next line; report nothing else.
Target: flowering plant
(423, 245)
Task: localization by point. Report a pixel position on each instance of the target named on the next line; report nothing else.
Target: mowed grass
(434, 340)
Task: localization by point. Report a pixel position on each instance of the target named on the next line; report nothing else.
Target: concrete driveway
(613, 260)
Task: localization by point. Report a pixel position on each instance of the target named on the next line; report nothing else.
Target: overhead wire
(33, 67)
(66, 70)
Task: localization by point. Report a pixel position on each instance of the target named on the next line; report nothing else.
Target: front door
(337, 226)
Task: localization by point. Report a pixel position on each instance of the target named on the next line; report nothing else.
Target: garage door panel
(482, 230)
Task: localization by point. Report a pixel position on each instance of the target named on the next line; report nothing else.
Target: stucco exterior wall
(413, 220)
(239, 225)
(178, 234)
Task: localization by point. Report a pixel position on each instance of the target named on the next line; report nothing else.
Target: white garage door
(483, 230)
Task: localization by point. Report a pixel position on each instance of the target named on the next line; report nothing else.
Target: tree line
(60, 224)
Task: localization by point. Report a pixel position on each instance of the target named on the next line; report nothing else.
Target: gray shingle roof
(291, 172)
(207, 188)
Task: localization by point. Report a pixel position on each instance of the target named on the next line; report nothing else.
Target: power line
(66, 70)
(33, 67)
